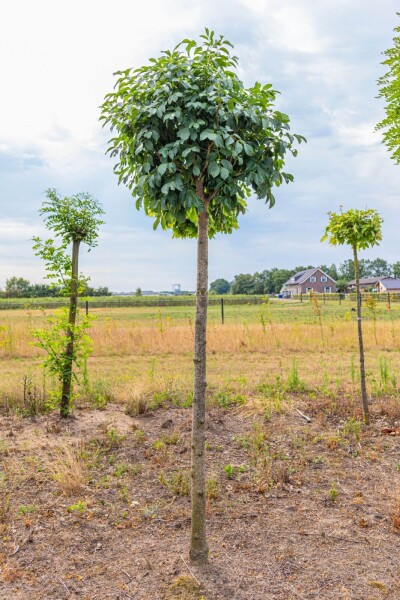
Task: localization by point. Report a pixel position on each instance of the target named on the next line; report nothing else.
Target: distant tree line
(271, 281)
(18, 287)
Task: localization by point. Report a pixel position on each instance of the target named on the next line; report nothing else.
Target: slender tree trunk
(69, 350)
(198, 544)
(364, 398)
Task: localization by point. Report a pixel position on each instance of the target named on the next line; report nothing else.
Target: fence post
(222, 311)
(301, 297)
(389, 299)
(87, 307)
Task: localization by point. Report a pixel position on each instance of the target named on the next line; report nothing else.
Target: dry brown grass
(67, 468)
(125, 336)
(184, 587)
(144, 363)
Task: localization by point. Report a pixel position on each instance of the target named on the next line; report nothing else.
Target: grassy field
(151, 347)
(98, 506)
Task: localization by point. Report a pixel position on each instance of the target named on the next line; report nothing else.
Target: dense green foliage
(187, 129)
(389, 85)
(270, 281)
(18, 287)
(53, 339)
(360, 229)
(70, 218)
(220, 286)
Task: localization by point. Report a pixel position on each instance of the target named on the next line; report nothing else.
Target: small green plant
(317, 311)
(171, 440)
(255, 443)
(384, 374)
(293, 383)
(6, 337)
(159, 445)
(152, 370)
(263, 322)
(352, 427)
(177, 482)
(372, 305)
(150, 511)
(160, 322)
(121, 469)
(213, 489)
(266, 317)
(114, 439)
(333, 493)
(79, 507)
(162, 399)
(230, 471)
(227, 399)
(184, 401)
(389, 309)
(97, 393)
(26, 509)
(123, 492)
(139, 437)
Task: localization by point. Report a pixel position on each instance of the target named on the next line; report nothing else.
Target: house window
(308, 290)
(324, 279)
(313, 279)
(327, 290)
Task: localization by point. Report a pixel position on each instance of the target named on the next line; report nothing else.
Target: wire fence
(159, 301)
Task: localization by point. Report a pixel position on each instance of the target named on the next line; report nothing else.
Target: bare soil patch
(97, 507)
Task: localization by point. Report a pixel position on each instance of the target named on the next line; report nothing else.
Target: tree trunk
(69, 350)
(360, 341)
(198, 544)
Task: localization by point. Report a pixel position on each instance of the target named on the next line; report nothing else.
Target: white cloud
(287, 25)
(57, 63)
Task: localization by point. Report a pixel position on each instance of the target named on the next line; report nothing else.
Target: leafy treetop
(188, 133)
(389, 85)
(359, 229)
(72, 218)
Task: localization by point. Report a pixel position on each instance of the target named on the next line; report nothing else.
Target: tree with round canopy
(192, 143)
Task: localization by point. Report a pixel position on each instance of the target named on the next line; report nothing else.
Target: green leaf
(207, 134)
(213, 169)
(184, 134)
(224, 173)
(248, 149)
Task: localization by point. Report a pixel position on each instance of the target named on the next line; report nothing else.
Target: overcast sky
(57, 63)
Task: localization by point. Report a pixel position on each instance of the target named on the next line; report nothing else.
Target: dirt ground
(98, 507)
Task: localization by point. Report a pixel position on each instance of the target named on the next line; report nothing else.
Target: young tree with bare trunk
(75, 221)
(359, 229)
(192, 144)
